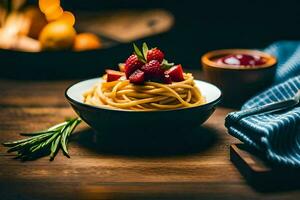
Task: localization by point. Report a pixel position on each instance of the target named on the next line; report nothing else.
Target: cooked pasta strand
(122, 94)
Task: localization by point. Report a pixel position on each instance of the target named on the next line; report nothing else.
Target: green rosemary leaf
(45, 143)
(166, 65)
(73, 126)
(54, 147)
(36, 133)
(34, 155)
(139, 53)
(14, 143)
(58, 126)
(145, 50)
(63, 142)
(51, 129)
(19, 156)
(65, 135)
(35, 148)
(30, 141)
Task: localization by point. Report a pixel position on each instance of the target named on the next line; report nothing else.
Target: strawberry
(167, 79)
(176, 73)
(153, 70)
(132, 64)
(155, 54)
(113, 75)
(137, 77)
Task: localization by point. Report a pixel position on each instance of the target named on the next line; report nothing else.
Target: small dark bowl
(129, 122)
(238, 83)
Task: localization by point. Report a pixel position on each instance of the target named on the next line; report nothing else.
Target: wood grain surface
(204, 173)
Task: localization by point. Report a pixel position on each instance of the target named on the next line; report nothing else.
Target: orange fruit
(54, 13)
(67, 17)
(86, 41)
(46, 4)
(57, 36)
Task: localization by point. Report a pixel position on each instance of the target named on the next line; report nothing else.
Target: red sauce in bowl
(242, 60)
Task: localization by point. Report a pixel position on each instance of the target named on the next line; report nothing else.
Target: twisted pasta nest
(122, 94)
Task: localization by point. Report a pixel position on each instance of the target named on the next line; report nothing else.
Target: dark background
(206, 25)
(200, 26)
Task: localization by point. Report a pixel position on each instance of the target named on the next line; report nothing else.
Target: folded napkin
(277, 134)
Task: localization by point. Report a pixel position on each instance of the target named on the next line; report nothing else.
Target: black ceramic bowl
(134, 122)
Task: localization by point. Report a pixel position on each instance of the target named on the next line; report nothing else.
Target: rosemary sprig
(44, 142)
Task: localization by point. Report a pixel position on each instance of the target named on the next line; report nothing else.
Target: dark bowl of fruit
(239, 73)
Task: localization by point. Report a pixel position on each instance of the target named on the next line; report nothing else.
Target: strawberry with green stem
(151, 62)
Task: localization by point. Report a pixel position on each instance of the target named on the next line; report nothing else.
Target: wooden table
(89, 174)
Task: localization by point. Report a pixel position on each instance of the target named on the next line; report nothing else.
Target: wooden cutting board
(126, 25)
(261, 175)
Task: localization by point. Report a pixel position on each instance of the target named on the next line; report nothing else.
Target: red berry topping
(167, 79)
(113, 75)
(137, 77)
(155, 54)
(132, 64)
(260, 61)
(153, 70)
(176, 73)
(242, 60)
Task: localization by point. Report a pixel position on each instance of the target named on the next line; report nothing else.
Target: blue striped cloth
(276, 135)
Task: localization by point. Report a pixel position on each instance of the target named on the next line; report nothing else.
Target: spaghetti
(122, 94)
